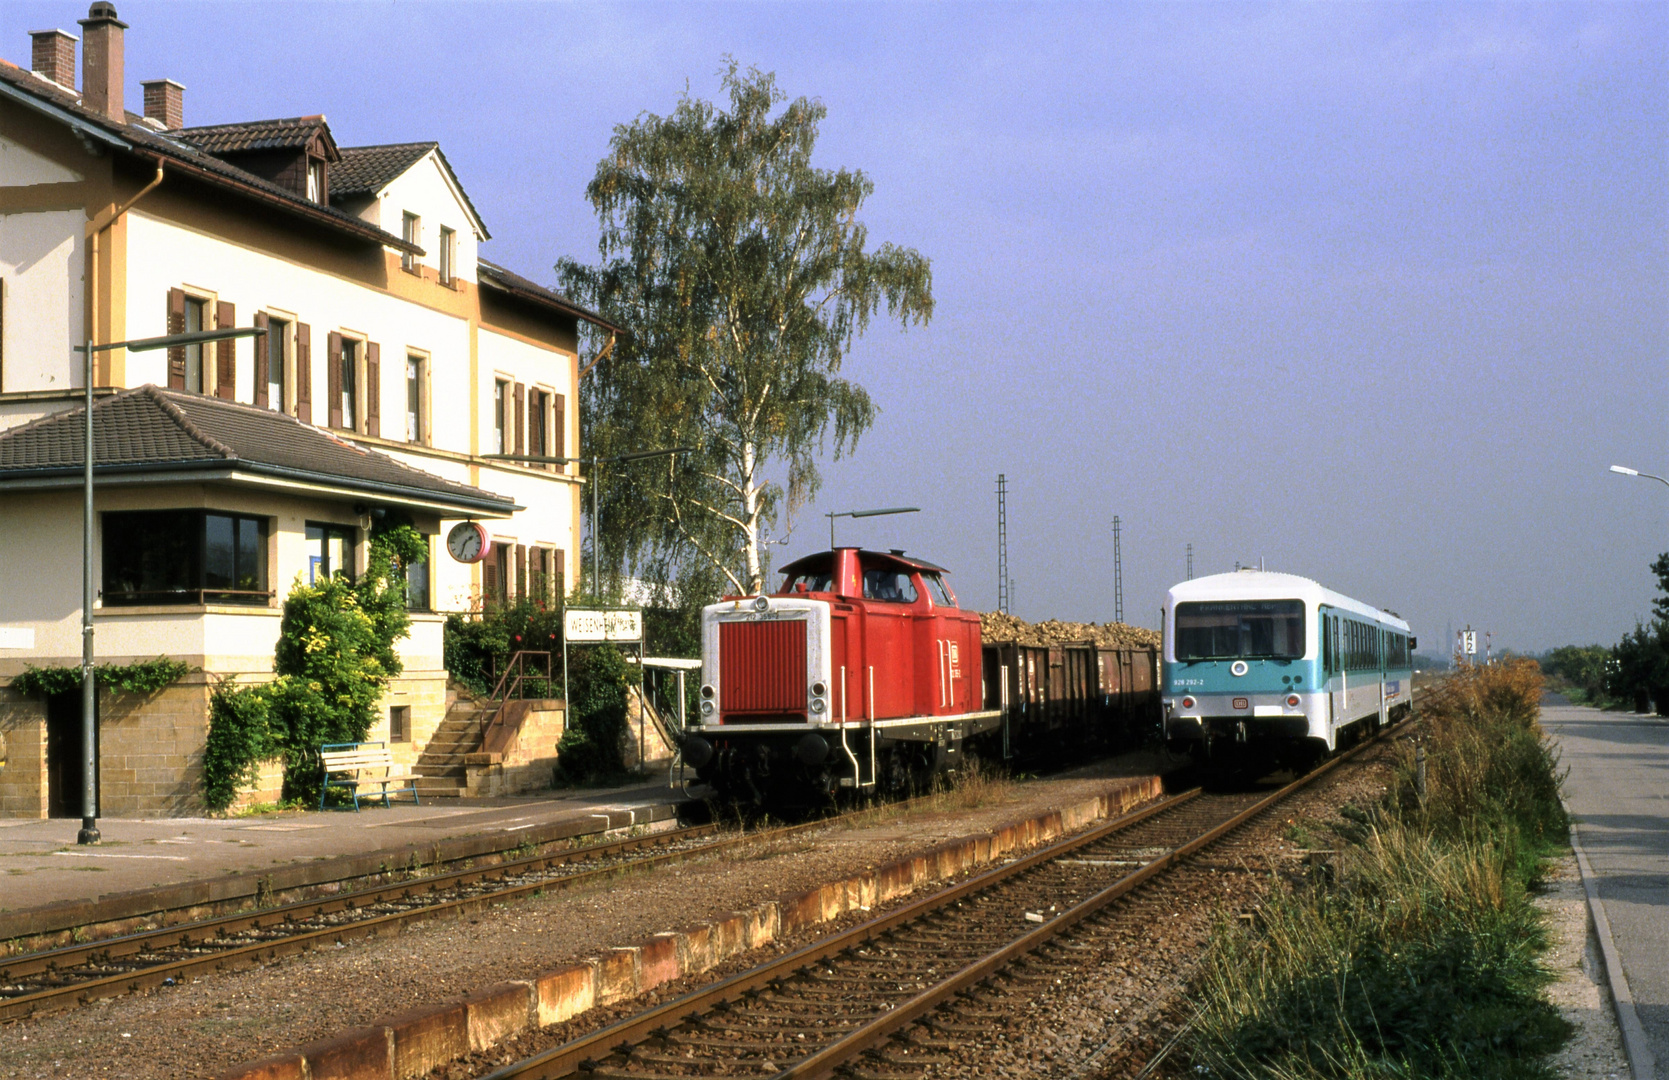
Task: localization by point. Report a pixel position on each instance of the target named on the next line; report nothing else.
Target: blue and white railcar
(1260, 666)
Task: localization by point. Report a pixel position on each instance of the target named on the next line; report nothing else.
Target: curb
(1635, 1045)
(413, 1043)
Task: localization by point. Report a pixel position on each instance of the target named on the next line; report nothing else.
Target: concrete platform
(48, 882)
(1618, 792)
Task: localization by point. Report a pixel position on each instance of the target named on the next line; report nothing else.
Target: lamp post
(865, 513)
(1623, 470)
(89, 833)
(596, 520)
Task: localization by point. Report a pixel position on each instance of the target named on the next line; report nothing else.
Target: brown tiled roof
(366, 170)
(496, 276)
(295, 133)
(167, 432)
(153, 145)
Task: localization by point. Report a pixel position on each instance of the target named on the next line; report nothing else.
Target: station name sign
(581, 625)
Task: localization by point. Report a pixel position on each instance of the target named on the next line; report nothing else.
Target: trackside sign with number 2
(582, 625)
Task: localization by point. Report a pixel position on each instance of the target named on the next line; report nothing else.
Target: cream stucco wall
(41, 261)
(425, 190)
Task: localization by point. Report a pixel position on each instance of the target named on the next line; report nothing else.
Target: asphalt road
(1618, 790)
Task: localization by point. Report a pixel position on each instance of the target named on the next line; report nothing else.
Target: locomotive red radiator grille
(762, 667)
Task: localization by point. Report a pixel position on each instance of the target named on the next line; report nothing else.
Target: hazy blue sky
(1373, 292)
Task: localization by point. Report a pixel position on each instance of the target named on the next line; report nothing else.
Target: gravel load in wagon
(997, 628)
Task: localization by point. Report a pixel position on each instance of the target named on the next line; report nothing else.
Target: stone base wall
(528, 763)
(267, 788)
(22, 756)
(151, 747)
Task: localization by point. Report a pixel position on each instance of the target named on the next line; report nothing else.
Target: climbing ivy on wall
(141, 677)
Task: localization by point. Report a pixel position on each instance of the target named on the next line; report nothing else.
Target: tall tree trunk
(750, 515)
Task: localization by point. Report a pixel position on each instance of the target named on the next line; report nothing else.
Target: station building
(394, 357)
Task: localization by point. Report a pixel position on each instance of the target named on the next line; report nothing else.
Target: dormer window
(411, 227)
(316, 191)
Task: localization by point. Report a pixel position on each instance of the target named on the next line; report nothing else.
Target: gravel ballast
(205, 1027)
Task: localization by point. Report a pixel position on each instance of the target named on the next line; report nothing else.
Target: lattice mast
(1118, 574)
(1190, 562)
(1004, 597)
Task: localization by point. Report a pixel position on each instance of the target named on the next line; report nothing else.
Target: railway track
(75, 975)
(907, 991)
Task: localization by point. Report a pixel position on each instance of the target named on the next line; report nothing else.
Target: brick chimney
(53, 56)
(165, 103)
(101, 61)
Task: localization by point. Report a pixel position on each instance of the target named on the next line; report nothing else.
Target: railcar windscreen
(1240, 629)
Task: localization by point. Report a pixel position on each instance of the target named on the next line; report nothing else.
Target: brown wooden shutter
(226, 353)
(373, 389)
(333, 378)
(521, 419)
(559, 428)
(559, 573)
(262, 351)
(521, 571)
(176, 325)
(304, 373)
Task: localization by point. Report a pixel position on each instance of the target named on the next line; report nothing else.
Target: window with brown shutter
(333, 378)
(226, 353)
(304, 373)
(521, 571)
(559, 427)
(176, 325)
(262, 359)
(559, 573)
(521, 419)
(373, 389)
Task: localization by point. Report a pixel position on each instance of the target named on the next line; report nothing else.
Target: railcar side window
(893, 586)
(1236, 629)
(938, 590)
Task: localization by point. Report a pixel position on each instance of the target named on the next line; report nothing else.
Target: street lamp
(596, 521)
(1623, 470)
(865, 513)
(89, 833)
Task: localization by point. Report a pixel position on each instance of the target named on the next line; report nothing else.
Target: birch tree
(743, 277)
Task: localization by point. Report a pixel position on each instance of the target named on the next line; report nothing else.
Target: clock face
(468, 542)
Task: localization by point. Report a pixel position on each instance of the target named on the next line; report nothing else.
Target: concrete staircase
(440, 768)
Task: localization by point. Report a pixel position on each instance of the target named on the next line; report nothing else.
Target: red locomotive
(861, 672)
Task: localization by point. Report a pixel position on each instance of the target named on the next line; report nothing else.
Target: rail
(805, 999)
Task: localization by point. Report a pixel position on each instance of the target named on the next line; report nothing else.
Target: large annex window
(184, 557)
(1240, 630)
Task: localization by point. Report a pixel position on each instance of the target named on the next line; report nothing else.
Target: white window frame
(425, 395)
(411, 231)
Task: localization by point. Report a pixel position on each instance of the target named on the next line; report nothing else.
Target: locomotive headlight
(706, 708)
(707, 690)
(762, 603)
(818, 689)
(1187, 703)
(1292, 699)
(818, 705)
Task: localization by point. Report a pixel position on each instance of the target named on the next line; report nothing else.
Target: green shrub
(478, 647)
(1422, 959)
(590, 748)
(334, 659)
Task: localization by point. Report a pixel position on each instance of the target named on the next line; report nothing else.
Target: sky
(1372, 293)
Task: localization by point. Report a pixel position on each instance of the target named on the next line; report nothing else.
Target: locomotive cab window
(1240, 629)
(938, 590)
(811, 581)
(889, 586)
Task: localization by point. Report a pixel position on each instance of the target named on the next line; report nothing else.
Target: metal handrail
(509, 684)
